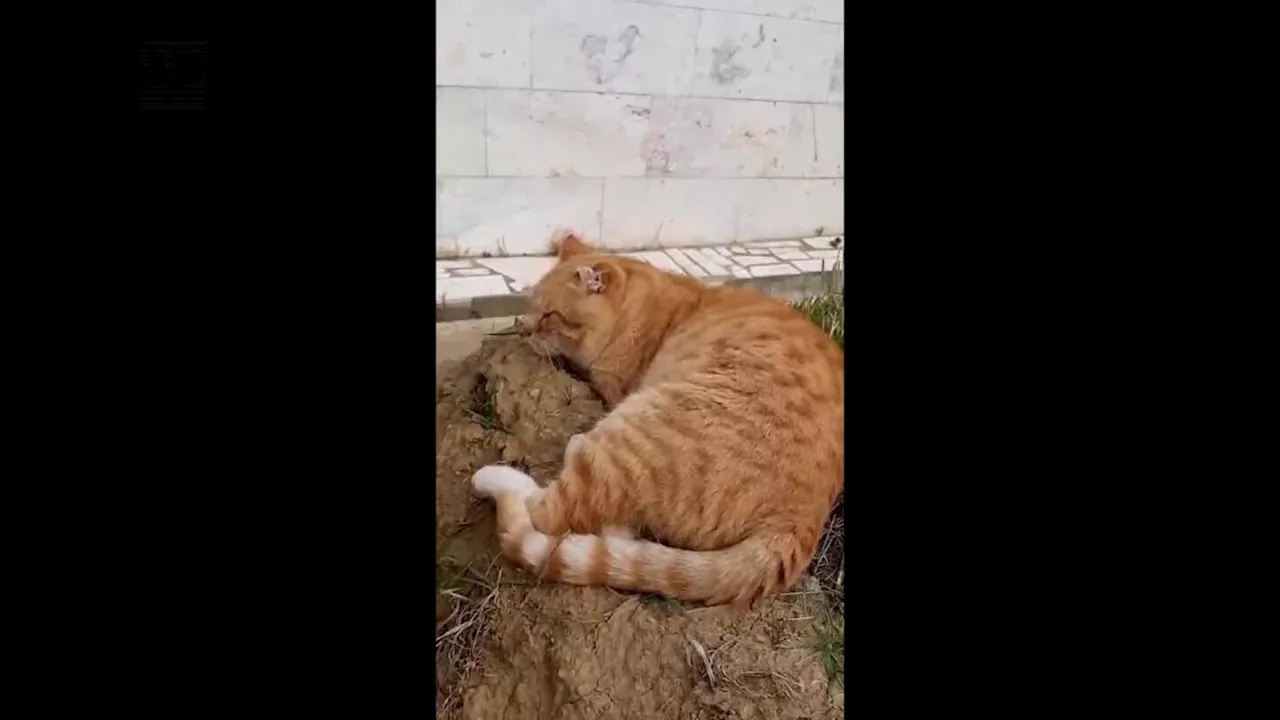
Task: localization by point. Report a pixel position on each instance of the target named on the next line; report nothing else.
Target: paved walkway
(492, 287)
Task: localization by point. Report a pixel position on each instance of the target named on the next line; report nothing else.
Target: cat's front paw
(491, 480)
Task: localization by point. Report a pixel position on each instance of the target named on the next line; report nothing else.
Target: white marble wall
(643, 123)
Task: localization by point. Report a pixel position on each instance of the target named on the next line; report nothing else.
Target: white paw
(574, 446)
(494, 479)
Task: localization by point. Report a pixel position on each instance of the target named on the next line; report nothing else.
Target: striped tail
(741, 573)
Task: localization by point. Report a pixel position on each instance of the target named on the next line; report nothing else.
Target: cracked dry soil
(543, 650)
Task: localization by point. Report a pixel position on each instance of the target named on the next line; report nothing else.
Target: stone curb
(798, 281)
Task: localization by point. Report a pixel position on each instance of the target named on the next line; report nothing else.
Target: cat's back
(749, 374)
(748, 395)
(740, 339)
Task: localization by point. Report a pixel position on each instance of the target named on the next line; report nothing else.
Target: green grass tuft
(826, 309)
(827, 312)
(668, 606)
(829, 640)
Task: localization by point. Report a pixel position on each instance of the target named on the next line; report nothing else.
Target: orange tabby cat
(724, 443)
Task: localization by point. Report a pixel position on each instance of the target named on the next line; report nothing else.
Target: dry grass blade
(706, 661)
(450, 592)
(452, 615)
(458, 644)
(479, 579)
(828, 563)
(454, 631)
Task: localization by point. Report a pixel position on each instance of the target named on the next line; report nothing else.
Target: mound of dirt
(509, 646)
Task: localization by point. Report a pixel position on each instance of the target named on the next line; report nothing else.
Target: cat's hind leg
(532, 520)
(581, 499)
(569, 504)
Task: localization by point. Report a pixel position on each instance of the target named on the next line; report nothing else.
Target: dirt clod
(545, 650)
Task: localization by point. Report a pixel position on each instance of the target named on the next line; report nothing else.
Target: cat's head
(576, 305)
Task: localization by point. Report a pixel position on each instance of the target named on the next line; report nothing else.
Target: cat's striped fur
(723, 446)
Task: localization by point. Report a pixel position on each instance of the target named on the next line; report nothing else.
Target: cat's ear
(592, 279)
(604, 276)
(569, 244)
